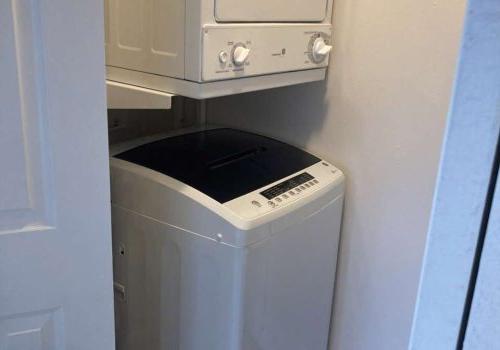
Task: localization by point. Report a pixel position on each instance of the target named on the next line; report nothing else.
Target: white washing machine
(223, 240)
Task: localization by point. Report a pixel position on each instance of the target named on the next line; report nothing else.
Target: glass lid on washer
(224, 164)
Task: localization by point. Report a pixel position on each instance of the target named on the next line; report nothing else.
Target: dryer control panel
(241, 50)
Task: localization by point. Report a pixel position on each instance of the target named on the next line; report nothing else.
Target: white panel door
(55, 242)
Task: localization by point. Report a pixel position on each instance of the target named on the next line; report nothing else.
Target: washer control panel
(240, 50)
(288, 191)
(291, 186)
(282, 193)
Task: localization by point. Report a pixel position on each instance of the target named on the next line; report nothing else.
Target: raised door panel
(146, 36)
(26, 211)
(24, 201)
(36, 331)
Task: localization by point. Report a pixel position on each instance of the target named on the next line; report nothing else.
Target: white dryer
(208, 48)
(223, 240)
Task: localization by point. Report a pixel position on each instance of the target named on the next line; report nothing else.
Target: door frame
(464, 186)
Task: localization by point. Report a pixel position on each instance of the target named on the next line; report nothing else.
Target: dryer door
(270, 10)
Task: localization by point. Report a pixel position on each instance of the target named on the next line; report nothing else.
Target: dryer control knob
(320, 50)
(240, 55)
(223, 57)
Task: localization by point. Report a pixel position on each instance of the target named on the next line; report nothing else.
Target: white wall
(380, 117)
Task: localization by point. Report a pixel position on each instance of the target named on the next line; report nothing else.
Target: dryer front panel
(270, 10)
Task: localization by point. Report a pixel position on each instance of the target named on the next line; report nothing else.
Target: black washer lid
(224, 164)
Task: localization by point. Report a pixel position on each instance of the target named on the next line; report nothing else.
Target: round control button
(257, 204)
(298, 190)
(240, 54)
(223, 57)
(278, 200)
(320, 50)
(285, 196)
(271, 204)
